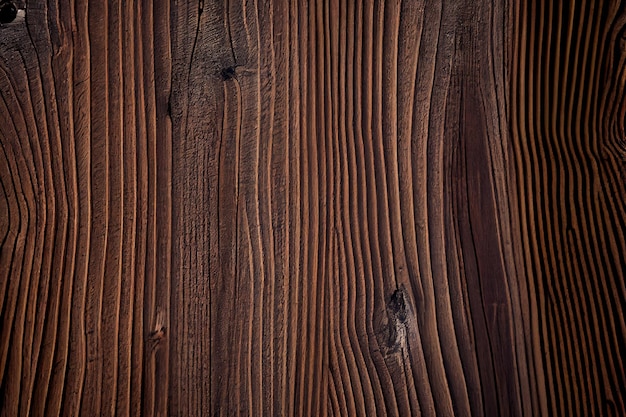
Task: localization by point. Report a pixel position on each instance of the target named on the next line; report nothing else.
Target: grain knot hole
(228, 73)
(157, 335)
(398, 305)
(8, 11)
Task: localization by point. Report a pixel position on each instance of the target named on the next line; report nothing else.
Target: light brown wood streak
(313, 208)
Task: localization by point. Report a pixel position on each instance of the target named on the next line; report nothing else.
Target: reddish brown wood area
(313, 208)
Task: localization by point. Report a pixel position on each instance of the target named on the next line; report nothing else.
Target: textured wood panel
(86, 209)
(567, 117)
(297, 207)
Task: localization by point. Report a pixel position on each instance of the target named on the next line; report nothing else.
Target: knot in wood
(8, 11)
(228, 73)
(157, 335)
(391, 330)
(397, 305)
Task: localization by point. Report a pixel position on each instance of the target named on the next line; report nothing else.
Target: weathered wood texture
(313, 208)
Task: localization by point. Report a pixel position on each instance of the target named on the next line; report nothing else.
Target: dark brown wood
(313, 208)
(567, 108)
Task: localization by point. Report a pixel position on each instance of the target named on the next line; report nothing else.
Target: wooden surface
(313, 208)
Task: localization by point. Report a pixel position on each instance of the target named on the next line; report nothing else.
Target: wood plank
(86, 250)
(567, 108)
(395, 289)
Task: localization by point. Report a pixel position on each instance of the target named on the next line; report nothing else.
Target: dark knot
(8, 11)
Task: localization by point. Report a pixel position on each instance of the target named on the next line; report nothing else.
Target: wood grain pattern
(313, 208)
(86, 185)
(568, 126)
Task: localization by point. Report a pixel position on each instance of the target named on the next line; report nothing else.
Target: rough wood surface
(313, 208)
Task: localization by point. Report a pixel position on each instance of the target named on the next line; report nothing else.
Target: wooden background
(313, 208)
